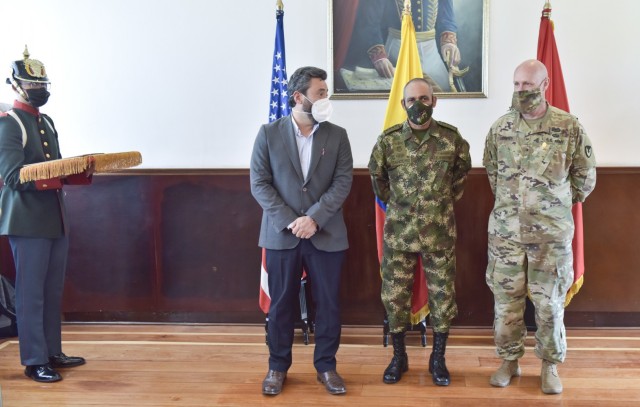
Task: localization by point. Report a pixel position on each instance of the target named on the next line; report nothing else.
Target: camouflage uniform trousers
(398, 271)
(546, 271)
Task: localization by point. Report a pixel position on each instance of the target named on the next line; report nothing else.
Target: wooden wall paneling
(211, 261)
(360, 290)
(610, 295)
(474, 298)
(181, 246)
(111, 265)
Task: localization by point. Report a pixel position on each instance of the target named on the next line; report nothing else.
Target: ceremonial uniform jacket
(536, 173)
(375, 17)
(36, 208)
(419, 181)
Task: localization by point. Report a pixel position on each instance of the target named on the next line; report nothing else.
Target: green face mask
(526, 101)
(419, 113)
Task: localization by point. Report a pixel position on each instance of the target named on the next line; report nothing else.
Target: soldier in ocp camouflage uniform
(539, 162)
(418, 170)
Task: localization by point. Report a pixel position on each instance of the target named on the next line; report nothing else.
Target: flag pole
(279, 5)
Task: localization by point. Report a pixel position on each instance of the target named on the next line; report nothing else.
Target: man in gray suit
(301, 173)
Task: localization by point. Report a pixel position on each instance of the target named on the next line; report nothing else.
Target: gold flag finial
(546, 11)
(279, 5)
(407, 7)
(26, 52)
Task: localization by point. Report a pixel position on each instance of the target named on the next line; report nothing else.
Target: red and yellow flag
(556, 95)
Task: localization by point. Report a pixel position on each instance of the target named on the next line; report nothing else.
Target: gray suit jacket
(278, 186)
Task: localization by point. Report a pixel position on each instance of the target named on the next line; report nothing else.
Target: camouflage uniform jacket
(419, 181)
(536, 174)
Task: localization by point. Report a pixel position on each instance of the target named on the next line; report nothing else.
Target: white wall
(186, 82)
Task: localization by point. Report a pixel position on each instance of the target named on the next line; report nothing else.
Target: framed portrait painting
(451, 36)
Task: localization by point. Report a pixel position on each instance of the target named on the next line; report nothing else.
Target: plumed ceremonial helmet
(28, 70)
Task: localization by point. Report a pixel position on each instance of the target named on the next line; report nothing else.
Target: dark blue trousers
(40, 268)
(323, 273)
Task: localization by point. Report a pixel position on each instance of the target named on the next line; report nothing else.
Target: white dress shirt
(305, 143)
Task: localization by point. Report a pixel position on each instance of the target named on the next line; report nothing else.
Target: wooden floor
(205, 365)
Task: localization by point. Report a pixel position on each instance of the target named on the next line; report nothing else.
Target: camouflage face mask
(526, 101)
(419, 113)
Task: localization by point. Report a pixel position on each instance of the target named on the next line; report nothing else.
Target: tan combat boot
(550, 378)
(502, 376)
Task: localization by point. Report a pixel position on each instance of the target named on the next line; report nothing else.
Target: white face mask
(321, 109)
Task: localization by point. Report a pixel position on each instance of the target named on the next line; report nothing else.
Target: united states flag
(278, 107)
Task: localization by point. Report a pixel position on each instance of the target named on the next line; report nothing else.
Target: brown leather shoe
(332, 382)
(273, 381)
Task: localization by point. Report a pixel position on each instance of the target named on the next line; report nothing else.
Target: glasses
(35, 85)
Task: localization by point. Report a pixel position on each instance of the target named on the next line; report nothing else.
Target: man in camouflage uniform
(539, 162)
(418, 169)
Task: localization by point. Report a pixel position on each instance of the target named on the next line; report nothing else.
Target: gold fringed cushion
(76, 165)
(117, 161)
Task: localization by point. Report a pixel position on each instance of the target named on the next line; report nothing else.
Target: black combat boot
(437, 367)
(400, 362)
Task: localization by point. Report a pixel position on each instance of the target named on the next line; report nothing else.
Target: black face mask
(38, 96)
(419, 113)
